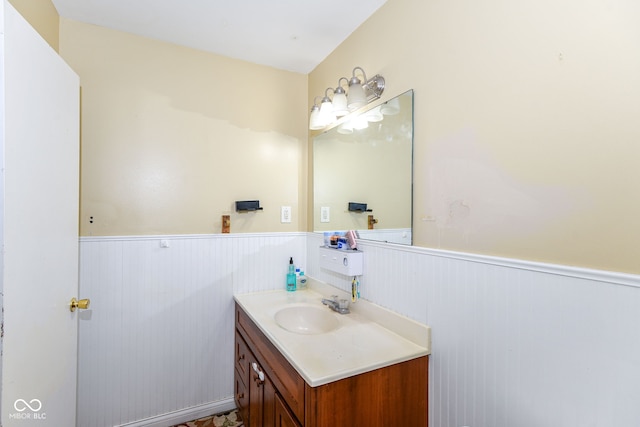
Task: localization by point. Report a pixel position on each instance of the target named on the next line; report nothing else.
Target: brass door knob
(83, 304)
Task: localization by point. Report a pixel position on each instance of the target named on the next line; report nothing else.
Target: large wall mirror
(367, 159)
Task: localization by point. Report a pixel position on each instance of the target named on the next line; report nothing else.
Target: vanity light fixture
(360, 93)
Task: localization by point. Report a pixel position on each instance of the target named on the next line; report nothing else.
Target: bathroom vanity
(369, 367)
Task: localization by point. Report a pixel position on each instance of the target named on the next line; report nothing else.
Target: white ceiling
(293, 35)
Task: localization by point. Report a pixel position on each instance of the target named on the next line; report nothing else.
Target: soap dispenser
(291, 276)
(301, 279)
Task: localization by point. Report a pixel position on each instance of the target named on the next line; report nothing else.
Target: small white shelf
(349, 263)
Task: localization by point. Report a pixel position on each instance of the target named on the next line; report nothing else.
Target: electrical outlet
(325, 213)
(285, 214)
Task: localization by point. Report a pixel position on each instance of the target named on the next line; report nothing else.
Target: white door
(40, 227)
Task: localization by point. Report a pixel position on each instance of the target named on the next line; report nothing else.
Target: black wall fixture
(358, 207)
(248, 206)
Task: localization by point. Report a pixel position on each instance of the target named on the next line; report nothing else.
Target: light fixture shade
(356, 97)
(391, 107)
(314, 118)
(345, 129)
(340, 99)
(360, 122)
(374, 115)
(326, 112)
(340, 104)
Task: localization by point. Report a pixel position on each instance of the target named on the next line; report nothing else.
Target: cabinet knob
(240, 357)
(240, 396)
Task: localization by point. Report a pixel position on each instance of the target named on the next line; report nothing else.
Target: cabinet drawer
(285, 378)
(241, 397)
(242, 358)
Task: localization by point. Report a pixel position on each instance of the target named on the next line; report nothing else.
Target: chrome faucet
(338, 305)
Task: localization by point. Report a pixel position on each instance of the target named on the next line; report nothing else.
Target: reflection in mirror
(366, 159)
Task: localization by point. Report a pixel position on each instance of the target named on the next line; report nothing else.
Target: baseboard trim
(184, 415)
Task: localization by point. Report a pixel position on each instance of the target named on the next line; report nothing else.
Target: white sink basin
(306, 320)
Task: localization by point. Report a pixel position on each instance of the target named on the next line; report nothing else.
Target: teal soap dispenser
(291, 276)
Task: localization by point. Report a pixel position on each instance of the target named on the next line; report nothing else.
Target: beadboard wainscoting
(514, 343)
(156, 346)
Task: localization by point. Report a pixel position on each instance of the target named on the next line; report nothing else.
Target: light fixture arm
(339, 88)
(326, 94)
(353, 73)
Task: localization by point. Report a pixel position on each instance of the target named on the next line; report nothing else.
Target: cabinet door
(283, 417)
(268, 403)
(256, 395)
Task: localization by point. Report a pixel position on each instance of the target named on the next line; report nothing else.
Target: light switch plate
(325, 213)
(285, 214)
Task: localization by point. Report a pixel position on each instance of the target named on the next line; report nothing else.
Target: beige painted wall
(171, 137)
(42, 16)
(527, 135)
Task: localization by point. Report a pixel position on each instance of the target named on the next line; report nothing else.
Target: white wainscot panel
(158, 338)
(514, 343)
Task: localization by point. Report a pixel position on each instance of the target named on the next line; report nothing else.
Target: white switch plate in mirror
(325, 213)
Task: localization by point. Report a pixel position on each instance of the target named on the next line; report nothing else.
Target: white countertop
(368, 338)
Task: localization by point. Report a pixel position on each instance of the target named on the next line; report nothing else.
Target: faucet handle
(334, 298)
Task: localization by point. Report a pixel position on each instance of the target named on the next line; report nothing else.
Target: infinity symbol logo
(22, 405)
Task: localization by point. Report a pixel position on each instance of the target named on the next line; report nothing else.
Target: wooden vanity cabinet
(275, 398)
(394, 395)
